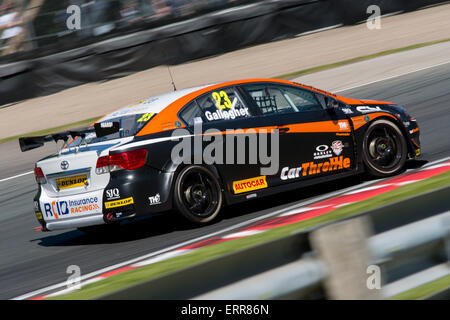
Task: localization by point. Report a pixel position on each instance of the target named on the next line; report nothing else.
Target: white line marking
(404, 183)
(242, 234)
(17, 176)
(74, 288)
(392, 77)
(296, 211)
(435, 166)
(162, 257)
(435, 162)
(368, 189)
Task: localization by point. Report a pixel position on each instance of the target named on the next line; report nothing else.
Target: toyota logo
(64, 165)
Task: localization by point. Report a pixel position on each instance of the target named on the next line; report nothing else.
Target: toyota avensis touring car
(123, 167)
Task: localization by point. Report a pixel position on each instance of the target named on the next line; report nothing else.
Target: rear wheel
(384, 148)
(198, 195)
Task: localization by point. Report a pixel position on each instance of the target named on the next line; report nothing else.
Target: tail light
(129, 160)
(39, 175)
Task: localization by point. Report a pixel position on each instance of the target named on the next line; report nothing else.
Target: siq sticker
(112, 194)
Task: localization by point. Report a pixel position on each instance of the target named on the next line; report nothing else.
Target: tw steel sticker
(251, 184)
(333, 164)
(119, 203)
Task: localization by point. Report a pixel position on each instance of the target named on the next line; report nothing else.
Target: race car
(196, 150)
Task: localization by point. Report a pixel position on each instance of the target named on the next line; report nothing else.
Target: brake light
(39, 175)
(129, 160)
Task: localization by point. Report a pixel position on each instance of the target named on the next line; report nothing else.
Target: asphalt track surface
(31, 260)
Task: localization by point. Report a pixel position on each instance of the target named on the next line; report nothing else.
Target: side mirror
(332, 104)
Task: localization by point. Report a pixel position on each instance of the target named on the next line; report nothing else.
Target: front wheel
(384, 149)
(198, 195)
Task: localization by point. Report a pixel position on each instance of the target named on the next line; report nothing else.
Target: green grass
(296, 74)
(284, 76)
(424, 290)
(52, 130)
(131, 277)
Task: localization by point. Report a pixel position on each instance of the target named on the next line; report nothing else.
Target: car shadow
(170, 222)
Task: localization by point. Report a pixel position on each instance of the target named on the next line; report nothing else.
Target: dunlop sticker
(119, 203)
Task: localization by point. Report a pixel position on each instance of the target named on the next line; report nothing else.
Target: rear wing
(101, 130)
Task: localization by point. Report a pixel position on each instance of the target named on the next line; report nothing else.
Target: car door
(314, 141)
(230, 138)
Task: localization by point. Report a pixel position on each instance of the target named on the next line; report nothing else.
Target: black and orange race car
(199, 149)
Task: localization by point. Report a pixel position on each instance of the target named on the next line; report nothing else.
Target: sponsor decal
(71, 182)
(343, 125)
(38, 215)
(333, 164)
(366, 118)
(347, 110)
(337, 147)
(290, 173)
(418, 152)
(323, 151)
(60, 208)
(251, 195)
(36, 206)
(365, 109)
(119, 203)
(112, 194)
(227, 114)
(64, 165)
(156, 199)
(406, 123)
(251, 184)
(413, 130)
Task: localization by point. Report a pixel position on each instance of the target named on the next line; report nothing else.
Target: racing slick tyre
(384, 149)
(198, 195)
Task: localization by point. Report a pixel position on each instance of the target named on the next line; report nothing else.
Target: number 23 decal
(222, 100)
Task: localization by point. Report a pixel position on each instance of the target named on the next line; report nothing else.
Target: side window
(223, 104)
(276, 99)
(189, 113)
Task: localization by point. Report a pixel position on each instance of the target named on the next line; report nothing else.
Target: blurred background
(31, 24)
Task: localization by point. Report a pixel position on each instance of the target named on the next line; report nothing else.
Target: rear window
(129, 125)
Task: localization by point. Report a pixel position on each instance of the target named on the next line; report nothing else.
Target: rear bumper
(76, 222)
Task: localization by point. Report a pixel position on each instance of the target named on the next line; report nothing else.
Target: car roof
(151, 105)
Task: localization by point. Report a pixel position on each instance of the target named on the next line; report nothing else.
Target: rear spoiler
(101, 130)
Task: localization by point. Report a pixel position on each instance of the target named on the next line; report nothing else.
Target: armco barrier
(415, 227)
(210, 34)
